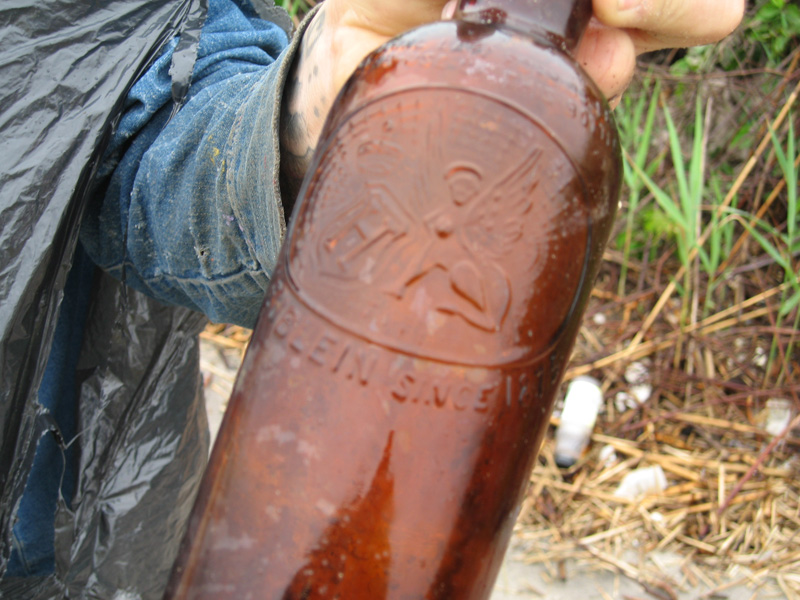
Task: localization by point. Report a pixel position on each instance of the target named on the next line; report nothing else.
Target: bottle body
(403, 369)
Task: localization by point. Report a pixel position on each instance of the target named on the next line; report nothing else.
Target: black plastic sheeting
(65, 68)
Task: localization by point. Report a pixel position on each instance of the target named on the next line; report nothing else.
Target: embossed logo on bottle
(456, 235)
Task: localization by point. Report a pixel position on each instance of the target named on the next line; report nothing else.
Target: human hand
(342, 33)
(623, 29)
(345, 31)
(620, 31)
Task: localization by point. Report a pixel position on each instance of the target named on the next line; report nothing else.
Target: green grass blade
(643, 147)
(790, 304)
(696, 167)
(677, 155)
(768, 247)
(663, 199)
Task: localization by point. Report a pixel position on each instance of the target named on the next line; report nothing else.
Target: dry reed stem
(761, 458)
(757, 529)
(223, 341)
(758, 216)
(226, 375)
(707, 326)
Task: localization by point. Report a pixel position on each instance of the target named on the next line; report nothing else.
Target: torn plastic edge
(267, 10)
(184, 56)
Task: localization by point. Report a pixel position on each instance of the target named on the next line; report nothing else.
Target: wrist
(307, 96)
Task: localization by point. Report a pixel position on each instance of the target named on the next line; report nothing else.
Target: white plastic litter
(581, 405)
(760, 357)
(599, 319)
(637, 374)
(624, 401)
(646, 480)
(779, 414)
(607, 456)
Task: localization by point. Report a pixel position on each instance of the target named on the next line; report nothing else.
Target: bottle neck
(562, 21)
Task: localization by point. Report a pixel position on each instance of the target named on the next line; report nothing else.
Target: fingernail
(449, 10)
(623, 5)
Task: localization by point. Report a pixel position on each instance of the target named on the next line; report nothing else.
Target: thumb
(672, 23)
(387, 17)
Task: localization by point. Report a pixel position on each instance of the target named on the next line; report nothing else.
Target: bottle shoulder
(472, 58)
(530, 77)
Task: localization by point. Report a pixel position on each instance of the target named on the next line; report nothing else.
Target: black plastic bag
(65, 68)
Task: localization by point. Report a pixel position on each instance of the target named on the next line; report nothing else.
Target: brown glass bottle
(403, 369)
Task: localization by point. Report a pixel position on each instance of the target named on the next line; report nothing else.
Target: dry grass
(732, 507)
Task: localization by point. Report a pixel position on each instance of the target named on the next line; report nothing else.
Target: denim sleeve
(192, 213)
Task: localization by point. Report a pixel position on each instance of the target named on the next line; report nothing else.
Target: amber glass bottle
(403, 369)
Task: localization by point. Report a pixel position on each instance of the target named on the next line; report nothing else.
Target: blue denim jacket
(192, 214)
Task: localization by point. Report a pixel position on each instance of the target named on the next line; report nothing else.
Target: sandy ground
(518, 580)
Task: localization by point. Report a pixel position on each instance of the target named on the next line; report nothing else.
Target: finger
(608, 55)
(389, 17)
(672, 23)
(359, 26)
